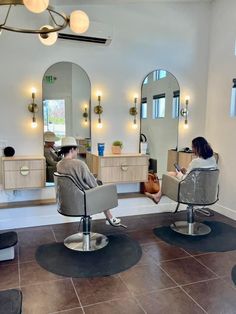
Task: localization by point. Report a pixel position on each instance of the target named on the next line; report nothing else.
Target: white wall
(220, 127)
(172, 36)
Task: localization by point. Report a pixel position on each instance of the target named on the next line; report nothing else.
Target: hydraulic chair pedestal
(190, 227)
(86, 241)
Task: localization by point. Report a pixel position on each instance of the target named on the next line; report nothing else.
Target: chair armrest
(101, 198)
(170, 187)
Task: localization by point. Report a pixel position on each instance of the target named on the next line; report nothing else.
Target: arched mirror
(160, 99)
(66, 106)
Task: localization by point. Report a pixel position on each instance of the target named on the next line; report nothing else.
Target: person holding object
(50, 152)
(204, 159)
(79, 171)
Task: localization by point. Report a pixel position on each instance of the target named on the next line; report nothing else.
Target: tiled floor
(166, 280)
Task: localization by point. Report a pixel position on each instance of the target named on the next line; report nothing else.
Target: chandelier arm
(52, 17)
(8, 11)
(65, 21)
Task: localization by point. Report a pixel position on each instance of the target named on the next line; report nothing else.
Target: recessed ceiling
(78, 2)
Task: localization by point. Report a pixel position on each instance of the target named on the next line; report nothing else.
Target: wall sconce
(99, 110)
(33, 108)
(133, 111)
(85, 114)
(184, 112)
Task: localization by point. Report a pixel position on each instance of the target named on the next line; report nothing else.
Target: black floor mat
(121, 253)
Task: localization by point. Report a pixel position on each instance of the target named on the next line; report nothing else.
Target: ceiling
(77, 2)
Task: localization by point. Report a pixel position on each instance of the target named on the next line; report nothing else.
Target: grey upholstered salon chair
(199, 188)
(72, 200)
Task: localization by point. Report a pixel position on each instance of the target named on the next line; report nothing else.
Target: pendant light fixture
(78, 20)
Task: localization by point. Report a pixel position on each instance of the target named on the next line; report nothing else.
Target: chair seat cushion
(8, 239)
(10, 301)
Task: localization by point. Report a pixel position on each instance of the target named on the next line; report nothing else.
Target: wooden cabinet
(22, 172)
(124, 168)
(183, 159)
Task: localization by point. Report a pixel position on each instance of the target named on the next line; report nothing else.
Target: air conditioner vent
(87, 39)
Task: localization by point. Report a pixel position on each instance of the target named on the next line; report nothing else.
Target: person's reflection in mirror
(50, 154)
(79, 171)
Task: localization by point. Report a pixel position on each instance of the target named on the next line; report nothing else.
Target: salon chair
(74, 201)
(199, 188)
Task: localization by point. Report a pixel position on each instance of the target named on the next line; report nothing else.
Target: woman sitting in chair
(204, 159)
(79, 171)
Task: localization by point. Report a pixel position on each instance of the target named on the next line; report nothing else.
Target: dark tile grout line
(183, 290)
(54, 235)
(77, 295)
(18, 265)
(136, 300)
(217, 276)
(110, 300)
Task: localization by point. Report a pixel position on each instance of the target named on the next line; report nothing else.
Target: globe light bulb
(79, 22)
(36, 6)
(48, 39)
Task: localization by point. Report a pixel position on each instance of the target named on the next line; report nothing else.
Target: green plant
(117, 143)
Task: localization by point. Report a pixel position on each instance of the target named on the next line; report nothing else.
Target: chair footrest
(204, 211)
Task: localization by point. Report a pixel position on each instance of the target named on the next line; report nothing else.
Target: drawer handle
(124, 167)
(24, 170)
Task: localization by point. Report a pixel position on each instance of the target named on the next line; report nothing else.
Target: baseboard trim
(27, 203)
(225, 211)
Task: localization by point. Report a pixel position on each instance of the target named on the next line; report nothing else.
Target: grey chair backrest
(200, 187)
(69, 197)
(72, 200)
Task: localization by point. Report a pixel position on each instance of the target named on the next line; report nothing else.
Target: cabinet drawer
(124, 173)
(16, 165)
(119, 161)
(15, 180)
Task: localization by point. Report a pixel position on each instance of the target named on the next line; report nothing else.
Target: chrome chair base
(86, 242)
(193, 229)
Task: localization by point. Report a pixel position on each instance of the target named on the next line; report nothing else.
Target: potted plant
(116, 147)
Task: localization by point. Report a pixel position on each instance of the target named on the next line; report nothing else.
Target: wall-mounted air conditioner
(98, 33)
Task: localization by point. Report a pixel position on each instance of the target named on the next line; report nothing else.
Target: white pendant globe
(36, 6)
(79, 22)
(51, 37)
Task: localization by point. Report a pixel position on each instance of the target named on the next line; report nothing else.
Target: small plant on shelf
(116, 147)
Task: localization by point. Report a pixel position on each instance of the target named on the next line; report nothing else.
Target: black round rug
(234, 274)
(120, 254)
(220, 239)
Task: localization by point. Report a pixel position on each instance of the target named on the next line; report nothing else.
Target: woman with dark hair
(204, 159)
(79, 171)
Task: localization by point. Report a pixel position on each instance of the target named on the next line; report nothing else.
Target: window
(54, 116)
(144, 108)
(233, 100)
(145, 80)
(162, 74)
(175, 105)
(158, 74)
(159, 104)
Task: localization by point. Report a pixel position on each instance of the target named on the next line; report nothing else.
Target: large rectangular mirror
(66, 107)
(160, 116)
